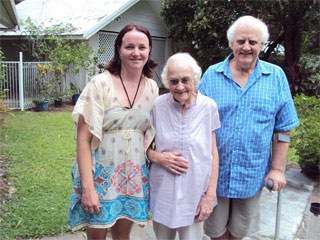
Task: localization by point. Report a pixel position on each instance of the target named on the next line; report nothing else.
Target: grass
(39, 149)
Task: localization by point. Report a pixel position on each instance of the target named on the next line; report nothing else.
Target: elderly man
(255, 107)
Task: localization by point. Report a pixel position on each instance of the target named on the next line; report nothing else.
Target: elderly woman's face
(181, 81)
(246, 46)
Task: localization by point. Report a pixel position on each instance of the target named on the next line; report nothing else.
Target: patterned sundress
(120, 138)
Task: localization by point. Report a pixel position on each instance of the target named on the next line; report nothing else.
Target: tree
(199, 27)
(53, 43)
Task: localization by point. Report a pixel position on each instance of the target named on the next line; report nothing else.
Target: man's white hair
(251, 22)
(185, 59)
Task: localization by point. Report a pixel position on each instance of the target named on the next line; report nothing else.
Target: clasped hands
(173, 162)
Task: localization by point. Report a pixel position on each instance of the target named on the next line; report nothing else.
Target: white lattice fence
(158, 55)
(106, 41)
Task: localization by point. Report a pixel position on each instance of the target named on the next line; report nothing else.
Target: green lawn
(40, 149)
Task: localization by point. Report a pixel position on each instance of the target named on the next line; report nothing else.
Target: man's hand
(278, 178)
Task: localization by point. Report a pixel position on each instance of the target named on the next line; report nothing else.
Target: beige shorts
(232, 214)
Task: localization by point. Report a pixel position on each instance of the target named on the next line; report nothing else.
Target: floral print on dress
(127, 178)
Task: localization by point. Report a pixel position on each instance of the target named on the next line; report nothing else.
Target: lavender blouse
(174, 199)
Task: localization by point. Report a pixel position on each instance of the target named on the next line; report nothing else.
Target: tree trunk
(293, 40)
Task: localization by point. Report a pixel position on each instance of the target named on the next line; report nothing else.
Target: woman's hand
(204, 208)
(90, 201)
(89, 198)
(174, 162)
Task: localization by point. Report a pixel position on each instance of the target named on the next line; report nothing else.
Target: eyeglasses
(176, 81)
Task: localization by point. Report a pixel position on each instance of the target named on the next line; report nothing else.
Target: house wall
(12, 46)
(141, 13)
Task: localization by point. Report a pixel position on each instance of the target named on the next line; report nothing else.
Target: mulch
(66, 107)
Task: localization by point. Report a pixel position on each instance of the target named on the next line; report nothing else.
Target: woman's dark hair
(114, 65)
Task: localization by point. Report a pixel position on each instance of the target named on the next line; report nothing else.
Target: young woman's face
(134, 51)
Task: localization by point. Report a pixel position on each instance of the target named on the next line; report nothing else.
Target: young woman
(113, 122)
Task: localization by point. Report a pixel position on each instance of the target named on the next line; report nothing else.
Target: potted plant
(56, 81)
(75, 93)
(43, 88)
(58, 101)
(41, 104)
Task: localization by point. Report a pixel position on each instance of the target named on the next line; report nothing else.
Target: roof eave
(88, 34)
(9, 17)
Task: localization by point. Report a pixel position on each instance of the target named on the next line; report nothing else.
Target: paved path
(296, 220)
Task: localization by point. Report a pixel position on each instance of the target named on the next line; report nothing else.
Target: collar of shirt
(260, 69)
(177, 104)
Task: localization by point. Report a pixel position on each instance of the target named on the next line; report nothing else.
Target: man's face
(246, 46)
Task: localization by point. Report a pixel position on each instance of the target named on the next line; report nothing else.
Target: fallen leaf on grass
(18, 224)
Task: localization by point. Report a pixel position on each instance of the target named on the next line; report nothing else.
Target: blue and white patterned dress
(120, 137)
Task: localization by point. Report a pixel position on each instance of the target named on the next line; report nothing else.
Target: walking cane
(279, 201)
(281, 138)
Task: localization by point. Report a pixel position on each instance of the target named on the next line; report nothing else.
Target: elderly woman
(184, 165)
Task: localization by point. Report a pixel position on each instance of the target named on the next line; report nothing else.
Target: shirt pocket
(263, 109)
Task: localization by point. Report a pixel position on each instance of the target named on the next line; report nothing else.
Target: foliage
(2, 75)
(48, 82)
(4, 110)
(74, 89)
(306, 138)
(51, 42)
(199, 27)
(309, 78)
(40, 150)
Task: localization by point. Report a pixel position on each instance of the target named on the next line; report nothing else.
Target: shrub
(4, 110)
(310, 74)
(306, 138)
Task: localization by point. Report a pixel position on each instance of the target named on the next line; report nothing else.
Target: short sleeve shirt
(248, 118)
(173, 198)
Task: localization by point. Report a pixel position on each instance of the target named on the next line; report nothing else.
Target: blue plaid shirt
(248, 118)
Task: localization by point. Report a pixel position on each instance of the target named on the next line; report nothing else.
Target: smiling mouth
(181, 92)
(249, 53)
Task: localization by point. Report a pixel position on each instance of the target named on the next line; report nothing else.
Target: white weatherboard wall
(141, 13)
